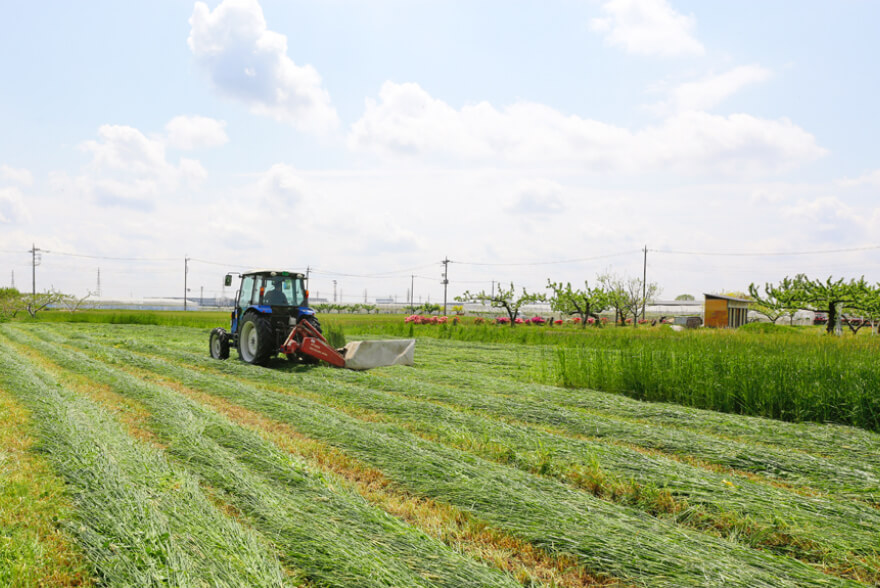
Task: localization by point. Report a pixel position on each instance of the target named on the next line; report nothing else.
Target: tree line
(13, 302)
(855, 301)
(627, 297)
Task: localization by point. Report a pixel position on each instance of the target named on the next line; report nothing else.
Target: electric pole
(13, 279)
(98, 291)
(644, 282)
(334, 291)
(412, 294)
(185, 272)
(35, 261)
(445, 281)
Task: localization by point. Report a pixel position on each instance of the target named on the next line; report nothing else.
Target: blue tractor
(271, 316)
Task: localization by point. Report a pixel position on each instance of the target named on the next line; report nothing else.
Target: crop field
(128, 457)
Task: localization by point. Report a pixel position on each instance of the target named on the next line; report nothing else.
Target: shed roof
(721, 297)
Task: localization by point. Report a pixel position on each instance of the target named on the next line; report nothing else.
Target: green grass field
(166, 467)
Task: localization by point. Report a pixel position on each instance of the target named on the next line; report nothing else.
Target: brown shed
(725, 311)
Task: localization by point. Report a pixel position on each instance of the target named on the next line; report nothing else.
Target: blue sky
(370, 137)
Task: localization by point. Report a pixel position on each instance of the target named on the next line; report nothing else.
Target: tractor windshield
(281, 290)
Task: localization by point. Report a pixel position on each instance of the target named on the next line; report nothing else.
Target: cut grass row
(840, 534)
(855, 446)
(329, 534)
(603, 536)
(33, 550)
(139, 520)
(457, 376)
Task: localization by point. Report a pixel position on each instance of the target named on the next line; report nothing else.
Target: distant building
(725, 311)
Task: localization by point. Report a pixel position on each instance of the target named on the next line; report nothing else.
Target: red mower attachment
(305, 338)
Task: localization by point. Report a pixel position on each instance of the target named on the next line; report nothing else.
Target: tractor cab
(269, 303)
(279, 294)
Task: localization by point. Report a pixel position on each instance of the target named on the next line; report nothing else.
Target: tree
(832, 297)
(585, 303)
(503, 298)
(616, 291)
(72, 303)
(871, 306)
(10, 303)
(40, 301)
(686, 297)
(776, 302)
(866, 301)
(636, 295)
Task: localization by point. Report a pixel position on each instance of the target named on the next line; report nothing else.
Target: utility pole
(201, 295)
(644, 282)
(308, 269)
(334, 291)
(412, 293)
(445, 281)
(98, 291)
(493, 288)
(35, 261)
(185, 272)
(13, 279)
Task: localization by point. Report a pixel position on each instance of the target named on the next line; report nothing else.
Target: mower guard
(363, 355)
(357, 355)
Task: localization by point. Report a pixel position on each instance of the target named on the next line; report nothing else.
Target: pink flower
(557, 322)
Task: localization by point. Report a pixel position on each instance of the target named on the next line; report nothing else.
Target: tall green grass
(782, 377)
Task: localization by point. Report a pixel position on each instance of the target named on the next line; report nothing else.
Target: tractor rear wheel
(302, 357)
(219, 343)
(255, 339)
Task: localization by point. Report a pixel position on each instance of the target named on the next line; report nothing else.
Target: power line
(557, 262)
(778, 254)
(109, 257)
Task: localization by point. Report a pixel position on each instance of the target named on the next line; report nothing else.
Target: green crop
(604, 536)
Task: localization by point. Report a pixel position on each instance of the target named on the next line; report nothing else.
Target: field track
(181, 470)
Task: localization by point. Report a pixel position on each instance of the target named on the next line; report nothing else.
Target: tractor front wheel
(255, 341)
(219, 343)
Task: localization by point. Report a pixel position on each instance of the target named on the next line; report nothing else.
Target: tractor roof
(269, 272)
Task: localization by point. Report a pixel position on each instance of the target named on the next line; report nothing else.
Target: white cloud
(708, 92)
(281, 185)
(16, 176)
(870, 179)
(12, 208)
(407, 122)
(195, 132)
(647, 27)
(129, 169)
(248, 62)
(830, 214)
(537, 197)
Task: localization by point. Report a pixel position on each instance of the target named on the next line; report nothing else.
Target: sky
(369, 141)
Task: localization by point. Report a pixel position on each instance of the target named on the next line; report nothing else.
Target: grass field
(155, 465)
